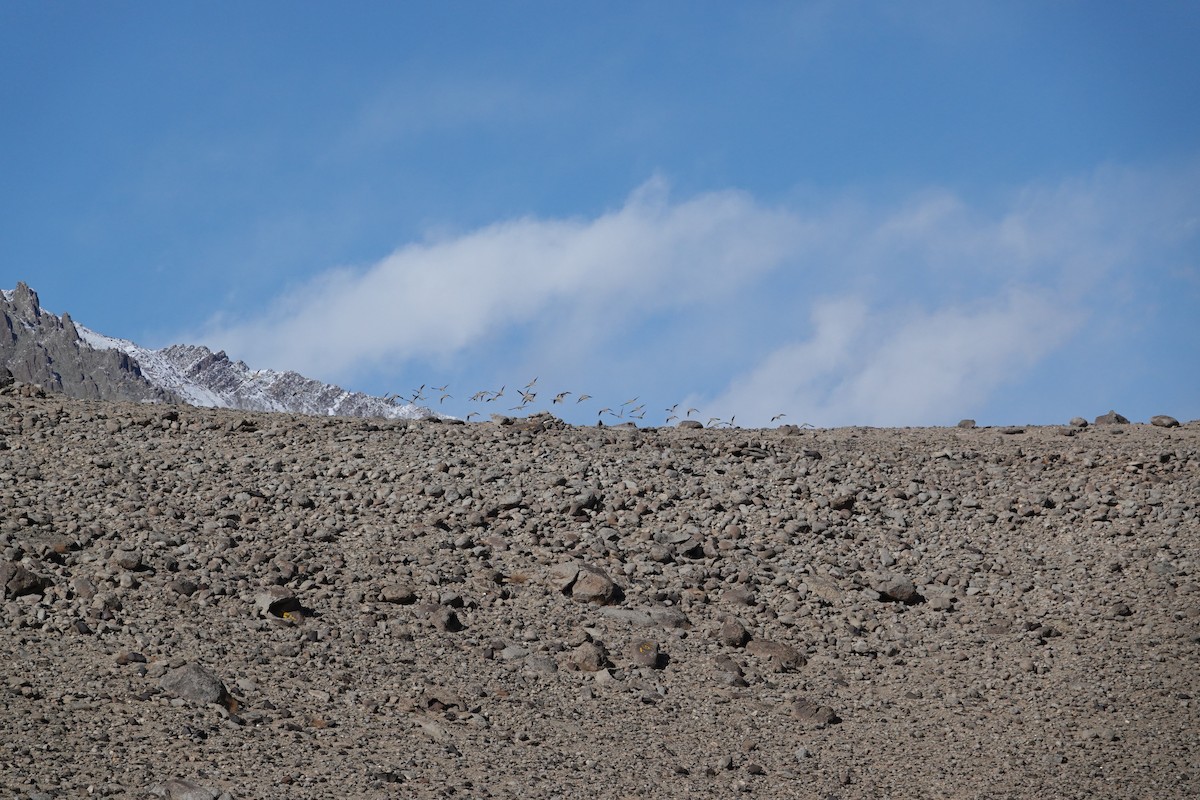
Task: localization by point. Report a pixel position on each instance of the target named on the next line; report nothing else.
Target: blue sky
(846, 212)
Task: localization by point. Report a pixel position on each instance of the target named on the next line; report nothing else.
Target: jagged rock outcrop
(39, 347)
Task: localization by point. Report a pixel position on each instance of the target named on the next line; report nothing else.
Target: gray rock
(195, 683)
(782, 657)
(812, 712)
(897, 588)
(83, 587)
(589, 657)
(670, 617)
(16, 580)
(645, 653)
(1119, 610)
(179, 789)
(183, 586)
(398, 593)
(732, 633)
(665, 616)
(1111, 418)
(671, 537)
(592, 585)
(966, 423)
(941, 602)
(635, 616)
(583, 582)
(1163, 421)
(511, 501)
(1078, 422)
(541, 665)
(127, 559)
(562, 576)
(738, 596)
(444, 619)
(843, 502)
(512, 652)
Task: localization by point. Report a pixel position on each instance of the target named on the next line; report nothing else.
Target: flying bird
(778, 417)
(558, 398)
(583, 397)
(531, 384)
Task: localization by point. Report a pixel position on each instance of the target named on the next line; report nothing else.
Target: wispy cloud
(910, 313)
(408, 109)
(870, 366)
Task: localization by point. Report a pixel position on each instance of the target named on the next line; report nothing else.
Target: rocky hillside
(202, 603)
(55, 352)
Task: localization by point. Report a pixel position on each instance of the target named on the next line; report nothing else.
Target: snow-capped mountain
(39, 347)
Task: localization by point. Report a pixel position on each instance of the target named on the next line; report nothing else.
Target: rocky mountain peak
(39, 347)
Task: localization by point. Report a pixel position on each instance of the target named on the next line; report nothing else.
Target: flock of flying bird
(528, 394)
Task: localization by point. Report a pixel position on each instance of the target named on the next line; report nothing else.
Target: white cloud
(438, 297)
(912, 313)
(872, 367)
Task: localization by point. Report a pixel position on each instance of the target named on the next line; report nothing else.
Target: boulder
(814, 713)
(782, 657)
(196, 683)
(583, 582)
(897, 589)
(16, 580)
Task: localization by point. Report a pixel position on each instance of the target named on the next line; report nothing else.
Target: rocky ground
(200, 603)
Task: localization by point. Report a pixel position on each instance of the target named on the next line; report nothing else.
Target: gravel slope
(200, 602)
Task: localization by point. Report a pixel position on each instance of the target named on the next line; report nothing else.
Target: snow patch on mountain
(204, 378)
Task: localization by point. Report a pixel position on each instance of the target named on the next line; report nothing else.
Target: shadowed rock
(16, 580)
